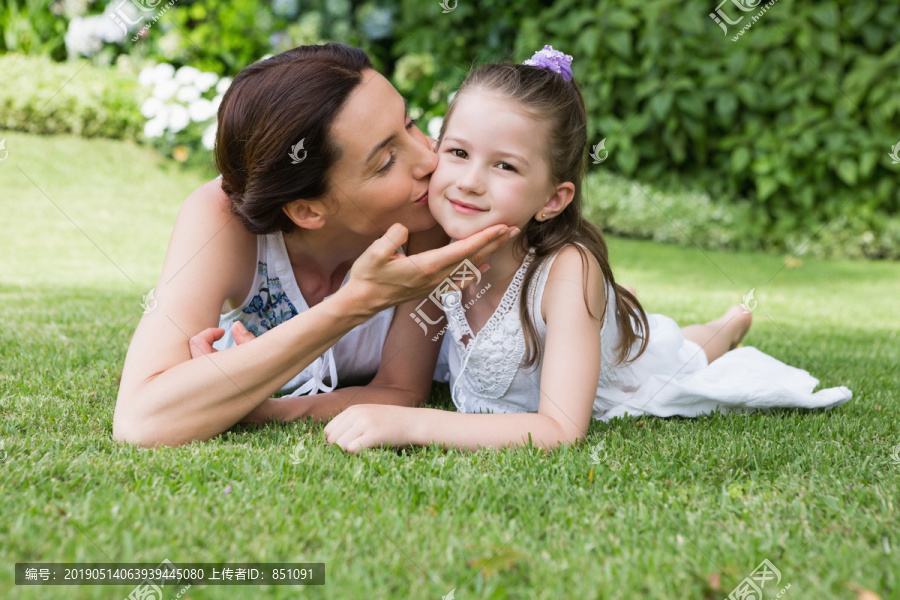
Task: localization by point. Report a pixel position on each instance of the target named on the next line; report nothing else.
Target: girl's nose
(470, 181)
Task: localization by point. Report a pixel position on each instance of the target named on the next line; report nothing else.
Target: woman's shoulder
(209, 241)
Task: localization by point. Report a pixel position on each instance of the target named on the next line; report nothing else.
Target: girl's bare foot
(721, 335)
(737, 320)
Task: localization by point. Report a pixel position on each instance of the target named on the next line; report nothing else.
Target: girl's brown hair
(546, 96)
(269, 108)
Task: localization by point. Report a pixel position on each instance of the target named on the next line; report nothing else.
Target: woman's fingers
(201, 344)
(393, 238)
(476, 248)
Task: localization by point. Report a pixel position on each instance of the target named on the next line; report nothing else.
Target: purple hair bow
(556, 61)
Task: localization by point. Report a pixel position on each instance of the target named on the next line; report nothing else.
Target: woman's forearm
(202, 397)
(474, 431)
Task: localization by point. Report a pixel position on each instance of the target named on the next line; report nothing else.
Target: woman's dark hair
(547, 96)
(269, 108)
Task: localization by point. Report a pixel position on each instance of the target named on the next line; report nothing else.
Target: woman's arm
(569, 377)
(408, 359)
(166, 397)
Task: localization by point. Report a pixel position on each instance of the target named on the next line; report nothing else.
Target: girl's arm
(569, 377)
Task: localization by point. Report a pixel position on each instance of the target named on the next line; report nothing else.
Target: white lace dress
(672, 377)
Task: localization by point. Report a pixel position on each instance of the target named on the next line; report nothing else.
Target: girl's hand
(202, 343)
(371, 425)
(381, 277)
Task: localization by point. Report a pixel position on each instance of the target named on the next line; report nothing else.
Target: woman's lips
(464, 207)
(423, 199)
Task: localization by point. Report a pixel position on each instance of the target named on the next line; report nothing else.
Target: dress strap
(321, 367)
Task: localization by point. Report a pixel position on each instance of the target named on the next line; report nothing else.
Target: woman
(323, 176)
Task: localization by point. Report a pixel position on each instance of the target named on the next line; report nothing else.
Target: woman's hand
(381, 277)
(371, 425)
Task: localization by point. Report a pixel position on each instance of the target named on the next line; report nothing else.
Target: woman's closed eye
(390, 163)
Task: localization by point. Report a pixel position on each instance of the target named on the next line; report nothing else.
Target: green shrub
(794, 119)
(72, 97)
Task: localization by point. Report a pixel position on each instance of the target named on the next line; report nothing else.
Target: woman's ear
(562, 196)
(306, 214)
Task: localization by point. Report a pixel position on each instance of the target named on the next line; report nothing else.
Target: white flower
(434, 126)
(178, 118)
(216, 102)
(201, 110)
(164, 90)
(147, 76)
(223, 85)
(81, 38)
(108, 30)
(188, 94)
(152, 107)
(163, 72)
(154, 128)
(205, 81)
(209, 136)
(186, 75)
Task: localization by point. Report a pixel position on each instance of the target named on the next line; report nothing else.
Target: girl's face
(381, 177)
(492, 167)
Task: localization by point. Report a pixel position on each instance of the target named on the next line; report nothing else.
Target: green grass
(678, 508)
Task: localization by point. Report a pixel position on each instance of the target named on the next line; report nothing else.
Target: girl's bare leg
(721, 335)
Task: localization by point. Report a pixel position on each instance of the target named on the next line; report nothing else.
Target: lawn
(666, 508)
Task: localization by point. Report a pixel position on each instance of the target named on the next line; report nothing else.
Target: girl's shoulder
(571, 275)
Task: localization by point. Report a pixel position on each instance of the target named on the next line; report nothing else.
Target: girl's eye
(458, 153)
(412, 123)
(506, 167)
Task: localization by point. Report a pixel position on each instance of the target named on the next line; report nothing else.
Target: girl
(547, 337)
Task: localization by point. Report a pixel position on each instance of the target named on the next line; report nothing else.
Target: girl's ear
(562, 196)
(306, 214)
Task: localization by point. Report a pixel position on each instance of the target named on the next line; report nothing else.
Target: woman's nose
(426, 159)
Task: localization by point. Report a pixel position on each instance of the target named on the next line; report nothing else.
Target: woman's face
(381, 176)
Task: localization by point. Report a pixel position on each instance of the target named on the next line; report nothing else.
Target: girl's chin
(459, 231)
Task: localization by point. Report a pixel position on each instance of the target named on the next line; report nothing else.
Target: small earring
(543, 215)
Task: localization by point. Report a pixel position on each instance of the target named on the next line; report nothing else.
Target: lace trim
(495, 354)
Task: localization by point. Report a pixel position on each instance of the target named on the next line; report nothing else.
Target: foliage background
(788, 129)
